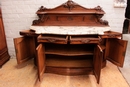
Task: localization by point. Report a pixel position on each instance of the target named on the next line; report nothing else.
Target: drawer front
(3, 56)
(111, 36)
(84, 40)
(53, 39)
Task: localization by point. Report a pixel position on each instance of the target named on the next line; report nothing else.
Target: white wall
(19, 14)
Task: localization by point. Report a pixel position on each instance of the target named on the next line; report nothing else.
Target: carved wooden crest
(70, 14)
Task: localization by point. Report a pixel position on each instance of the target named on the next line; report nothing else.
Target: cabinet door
(115, 51)
(25, 48)
(98, 55)
(41, 61)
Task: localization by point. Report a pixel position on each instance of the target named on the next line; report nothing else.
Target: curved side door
(24, 48)
(97, 62)
(41, 61)
(115, 51)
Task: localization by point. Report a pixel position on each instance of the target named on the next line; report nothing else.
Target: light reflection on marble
(69, 30)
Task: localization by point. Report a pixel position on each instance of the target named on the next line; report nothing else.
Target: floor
(12, 75)
(126, 68)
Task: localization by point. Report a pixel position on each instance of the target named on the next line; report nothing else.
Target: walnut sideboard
(70, 40)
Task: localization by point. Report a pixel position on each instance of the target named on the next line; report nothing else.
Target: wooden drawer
(59, 39)
(112, 36)
(84, 39)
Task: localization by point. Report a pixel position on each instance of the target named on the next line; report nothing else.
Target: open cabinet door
(25, 48)
(97, 62)
(115, 51)
(41, 61)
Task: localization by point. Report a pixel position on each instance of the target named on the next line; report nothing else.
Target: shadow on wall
(126, 24)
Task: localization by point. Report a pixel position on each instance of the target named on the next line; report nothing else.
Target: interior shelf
(72, 61)
(69, 50)
(69, 53)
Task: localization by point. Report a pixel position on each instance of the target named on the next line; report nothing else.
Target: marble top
(69, 30)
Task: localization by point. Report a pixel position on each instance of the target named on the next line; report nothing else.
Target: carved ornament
(70, 5)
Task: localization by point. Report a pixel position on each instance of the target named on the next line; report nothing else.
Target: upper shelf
(70, 14)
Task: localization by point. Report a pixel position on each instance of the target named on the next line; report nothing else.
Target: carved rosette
(70, 5)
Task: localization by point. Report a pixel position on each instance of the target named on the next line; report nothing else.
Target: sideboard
(70, 40)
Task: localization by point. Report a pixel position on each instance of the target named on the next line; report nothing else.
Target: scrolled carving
(69, 4)
(42, 19)
(42, 8)
(104, 22)
(35, 22)
(99, 16)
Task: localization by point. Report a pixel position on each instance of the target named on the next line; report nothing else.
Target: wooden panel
(4, 57)
(2, 35)
(25, 48)
(41, 60)
(115, 51)
(98, 55)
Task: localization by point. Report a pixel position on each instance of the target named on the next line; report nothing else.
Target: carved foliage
(42, 18)
(104, 22)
